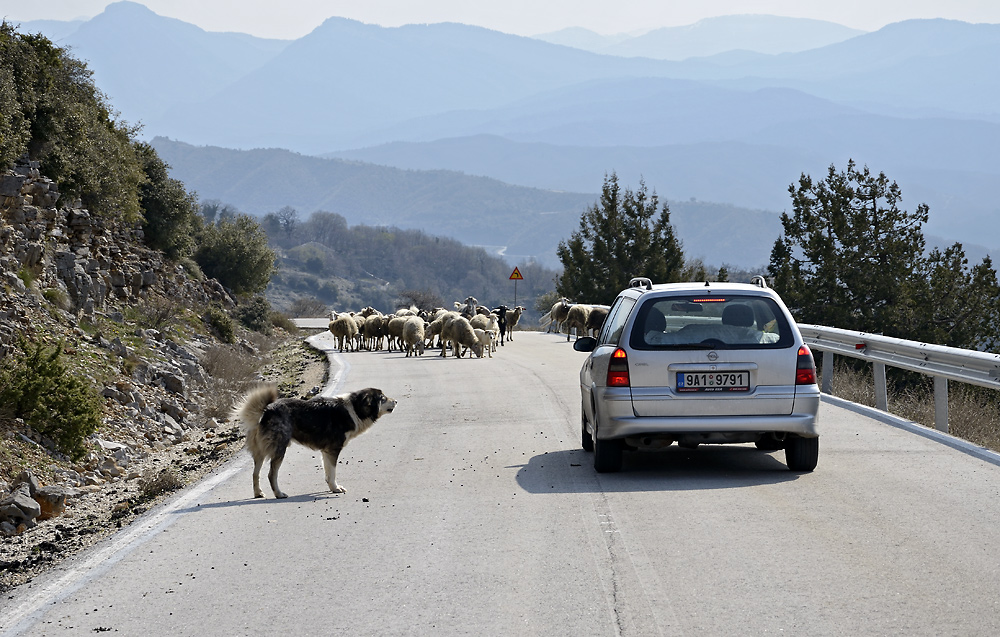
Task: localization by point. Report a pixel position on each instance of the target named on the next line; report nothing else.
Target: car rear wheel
(607, 455)
(801, 454)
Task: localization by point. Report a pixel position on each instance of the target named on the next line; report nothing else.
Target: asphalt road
(471, 510)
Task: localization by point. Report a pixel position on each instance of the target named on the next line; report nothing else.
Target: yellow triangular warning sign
(516, 275)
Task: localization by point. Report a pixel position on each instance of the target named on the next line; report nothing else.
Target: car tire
(801, 454)
(586, 440)
(607, 455)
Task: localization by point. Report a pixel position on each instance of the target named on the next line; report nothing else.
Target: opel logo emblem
(713, 356)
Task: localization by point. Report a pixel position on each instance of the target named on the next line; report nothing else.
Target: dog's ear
(372, 399)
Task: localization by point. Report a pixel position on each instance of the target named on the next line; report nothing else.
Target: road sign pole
(515, 276)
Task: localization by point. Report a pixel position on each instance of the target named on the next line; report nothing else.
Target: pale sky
(291, 19)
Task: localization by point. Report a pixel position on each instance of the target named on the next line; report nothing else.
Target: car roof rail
(759, 281)
(641, 282)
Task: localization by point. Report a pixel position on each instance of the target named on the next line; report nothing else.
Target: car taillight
(805, 367)
(618, 369)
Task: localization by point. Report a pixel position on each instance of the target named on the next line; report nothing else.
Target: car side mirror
(585, 344)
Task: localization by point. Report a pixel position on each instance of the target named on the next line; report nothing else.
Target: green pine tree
(850, 257)
(625, 234)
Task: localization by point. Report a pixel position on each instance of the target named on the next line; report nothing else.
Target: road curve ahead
(471, 510)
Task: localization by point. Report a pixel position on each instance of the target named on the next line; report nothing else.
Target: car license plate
(713, 381)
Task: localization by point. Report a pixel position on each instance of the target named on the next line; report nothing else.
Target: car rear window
(710, 321)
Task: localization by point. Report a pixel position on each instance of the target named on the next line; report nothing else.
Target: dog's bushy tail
(249, 410)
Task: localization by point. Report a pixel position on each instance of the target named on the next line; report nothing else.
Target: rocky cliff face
(69, 277)
(77, 257)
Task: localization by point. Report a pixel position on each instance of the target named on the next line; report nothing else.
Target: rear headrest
(737, 316)
(655, 321)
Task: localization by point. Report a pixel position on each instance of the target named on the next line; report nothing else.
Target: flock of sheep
(469, 327)
(566, 315)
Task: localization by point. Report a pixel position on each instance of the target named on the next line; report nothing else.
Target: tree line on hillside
(349, 267)
(52, 112)
(848, 257)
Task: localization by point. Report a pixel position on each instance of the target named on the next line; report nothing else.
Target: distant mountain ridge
(513, 221)
(767, 34)
(147, 63)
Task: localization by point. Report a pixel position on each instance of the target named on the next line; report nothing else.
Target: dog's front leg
(330, 468)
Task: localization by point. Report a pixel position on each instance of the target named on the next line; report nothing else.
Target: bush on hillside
(235, 252)
(220, 324)
(170, 213)
(255, 314)
(53, 401)
(51, 109)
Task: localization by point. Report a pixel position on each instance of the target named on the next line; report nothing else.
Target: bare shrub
(308, 306)
(158, 313)
(850, 383)
(282, 321)
(232, 370)
(974, 414)
(152, 484)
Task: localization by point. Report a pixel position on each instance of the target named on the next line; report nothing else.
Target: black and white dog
(324, 424)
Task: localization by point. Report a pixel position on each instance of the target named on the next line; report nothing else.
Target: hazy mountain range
(515, 221)
(728, 111)
(711, 36)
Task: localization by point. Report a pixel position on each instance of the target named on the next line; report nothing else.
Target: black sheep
(501, 313)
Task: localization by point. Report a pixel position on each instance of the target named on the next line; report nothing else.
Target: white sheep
(560, 310)
(359, 337)
(486, 339)
(596, 319)
(488, 323)
(553, 320)
(435, 327)
(395, 331)
(459, 333)
(344, 330)
(374, 331)
(512, 317)
(413, 336)
(577, 317)
(467, 309)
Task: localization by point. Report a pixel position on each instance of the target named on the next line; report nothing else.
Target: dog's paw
(280, 495)
(337, 489)
(259, 494)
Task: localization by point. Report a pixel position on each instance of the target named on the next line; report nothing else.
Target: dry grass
(232, 370)
(153, 484)
(973, 412)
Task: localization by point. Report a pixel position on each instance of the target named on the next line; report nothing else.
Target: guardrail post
(827, 372)
(941, 403)
(881, 395)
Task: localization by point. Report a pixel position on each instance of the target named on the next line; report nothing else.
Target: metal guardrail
(940, 362)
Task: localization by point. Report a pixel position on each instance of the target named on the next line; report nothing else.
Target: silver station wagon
(698, 363)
